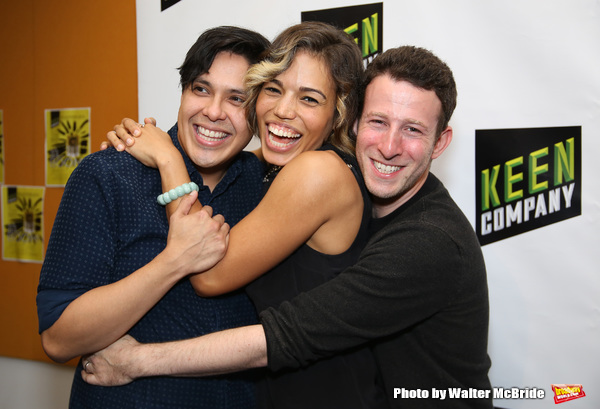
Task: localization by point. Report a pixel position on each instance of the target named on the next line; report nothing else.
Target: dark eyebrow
(303, 89)
(408, 120)
(201, 81)
(209, 85)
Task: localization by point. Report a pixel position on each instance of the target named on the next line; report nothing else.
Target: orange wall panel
(55, 54)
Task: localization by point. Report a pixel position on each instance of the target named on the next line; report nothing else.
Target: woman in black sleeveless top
(312, 221)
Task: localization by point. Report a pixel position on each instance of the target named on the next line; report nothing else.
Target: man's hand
(197, 241)
(113, 366)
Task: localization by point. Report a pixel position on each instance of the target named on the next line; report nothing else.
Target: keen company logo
(364, 23)
(526, 179)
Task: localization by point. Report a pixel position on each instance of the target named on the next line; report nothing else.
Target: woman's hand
(124, 134)
(153, 147)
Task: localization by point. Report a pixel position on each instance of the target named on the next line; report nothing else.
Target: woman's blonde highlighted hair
(342, 56)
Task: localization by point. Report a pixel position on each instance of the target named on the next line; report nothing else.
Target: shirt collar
(230, 176)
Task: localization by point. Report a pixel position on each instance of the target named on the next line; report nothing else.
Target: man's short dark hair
(421, 68)
(246, 43)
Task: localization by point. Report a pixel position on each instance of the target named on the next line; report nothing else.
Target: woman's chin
(278, 158)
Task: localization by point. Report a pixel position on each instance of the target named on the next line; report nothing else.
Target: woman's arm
(315, 199)
(157, 144)
(154, 148)
(102, 315)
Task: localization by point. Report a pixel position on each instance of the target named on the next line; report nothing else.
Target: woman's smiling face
(296, 109)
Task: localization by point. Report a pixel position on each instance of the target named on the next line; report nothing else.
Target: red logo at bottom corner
(565, 393)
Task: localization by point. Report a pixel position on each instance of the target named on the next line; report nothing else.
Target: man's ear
(355, 127)
(442, 143)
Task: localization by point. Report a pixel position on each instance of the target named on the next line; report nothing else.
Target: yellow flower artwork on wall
(22, 223)
(67, 142)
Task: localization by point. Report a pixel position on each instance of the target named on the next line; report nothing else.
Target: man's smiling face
(211, 121)
(397, 140)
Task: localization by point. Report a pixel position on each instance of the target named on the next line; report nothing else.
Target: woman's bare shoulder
(319, 173)
(323, 164)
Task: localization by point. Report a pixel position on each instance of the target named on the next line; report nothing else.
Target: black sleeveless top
(347, 380)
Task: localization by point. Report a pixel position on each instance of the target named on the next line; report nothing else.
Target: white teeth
(203, 132)
(283, 133)
(386, 168)
(279, 144)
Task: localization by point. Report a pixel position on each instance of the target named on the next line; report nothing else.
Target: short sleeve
(80, 251)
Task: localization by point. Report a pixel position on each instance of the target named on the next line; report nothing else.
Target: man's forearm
(221, 352)
(103, 314)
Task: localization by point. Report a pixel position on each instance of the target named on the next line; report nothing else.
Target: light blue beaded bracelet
(173, 194)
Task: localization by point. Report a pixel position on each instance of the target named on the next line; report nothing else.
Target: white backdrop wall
(518, 64)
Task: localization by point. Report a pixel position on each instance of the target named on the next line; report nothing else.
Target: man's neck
(383, 207)
(212, 178)
(381, 210)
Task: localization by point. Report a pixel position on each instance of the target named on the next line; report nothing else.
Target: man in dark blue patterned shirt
(112, 265)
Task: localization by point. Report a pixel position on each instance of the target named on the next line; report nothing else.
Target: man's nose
(214, 110)
(390, 144)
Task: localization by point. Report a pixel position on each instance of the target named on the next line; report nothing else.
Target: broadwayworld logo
(565, 393)
(526, 179)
